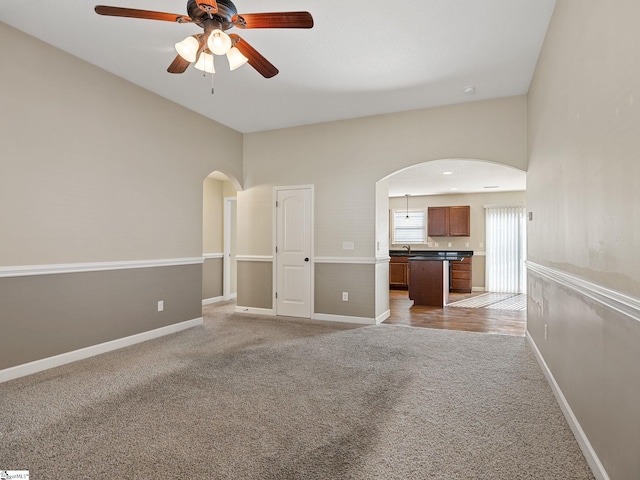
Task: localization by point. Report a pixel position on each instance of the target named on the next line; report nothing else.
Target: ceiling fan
(215, 17)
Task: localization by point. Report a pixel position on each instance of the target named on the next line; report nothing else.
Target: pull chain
(212, 92)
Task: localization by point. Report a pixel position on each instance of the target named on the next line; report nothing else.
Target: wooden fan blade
(273, 20)
(179, 65)
(134, 13)
(257, 61)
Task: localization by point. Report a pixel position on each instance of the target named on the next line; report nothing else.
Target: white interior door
(293, 252)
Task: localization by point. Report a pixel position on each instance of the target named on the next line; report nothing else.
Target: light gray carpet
(263, 398)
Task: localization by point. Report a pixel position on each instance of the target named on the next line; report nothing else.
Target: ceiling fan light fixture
(236, 58)
(188, 48)
(219, 42)
(205, 63)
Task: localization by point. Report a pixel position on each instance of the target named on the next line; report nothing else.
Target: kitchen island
(429, 279)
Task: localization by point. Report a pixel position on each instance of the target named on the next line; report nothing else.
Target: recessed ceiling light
(454, 188)
(469, 89)
(447, 173)
(491, 186)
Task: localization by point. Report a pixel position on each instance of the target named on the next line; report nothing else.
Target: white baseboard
(82, 353)
(587, 450)
(256, 311)
(209, 301)
(383, 316)
(343, 319)
(477, 289)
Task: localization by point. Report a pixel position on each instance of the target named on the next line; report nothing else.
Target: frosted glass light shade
(219, 42)
(205, 63)
(236, 59)
(188, 49)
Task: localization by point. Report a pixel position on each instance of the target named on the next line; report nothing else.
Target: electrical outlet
(430, 244)
(449, 244)
(345, 296)
(466, 244)
(437, 244)
(160, 305)
(348, 245)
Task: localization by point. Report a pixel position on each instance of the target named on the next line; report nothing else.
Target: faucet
(408, 247)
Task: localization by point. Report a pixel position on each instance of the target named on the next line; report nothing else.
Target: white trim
(231, 296)
(207, 256)
(625, 304)
(479, 254)
(28, 270)
(209, 301)
(254, 258)
(361, 260)
(383, 316)
(477, 289)
(344, 319)
(82, 353)
(255, 311)
(583, 442)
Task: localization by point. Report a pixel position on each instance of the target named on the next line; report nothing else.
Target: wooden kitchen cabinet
(461, 276)
(449, 221)
(399, 272)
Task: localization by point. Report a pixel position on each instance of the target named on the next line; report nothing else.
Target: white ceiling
(363, 57)
(453, 176)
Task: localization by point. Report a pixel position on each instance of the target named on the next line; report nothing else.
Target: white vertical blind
(506, 248)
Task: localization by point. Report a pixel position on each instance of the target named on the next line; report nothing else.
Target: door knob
(306, 259)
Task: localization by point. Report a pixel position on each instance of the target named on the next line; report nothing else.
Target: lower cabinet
(460, 281)
(399, 272)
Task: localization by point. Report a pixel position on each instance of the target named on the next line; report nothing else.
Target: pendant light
(407, 219)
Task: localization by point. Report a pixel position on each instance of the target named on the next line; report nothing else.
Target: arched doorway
(423, 189)
(219, 272)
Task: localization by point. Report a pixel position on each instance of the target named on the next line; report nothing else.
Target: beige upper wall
(95, 168)
(345, 159)
(584, 141)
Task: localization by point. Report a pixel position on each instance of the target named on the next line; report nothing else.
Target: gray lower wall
(255, 280)
(593, 352)
(47, 315)
(331, 279)
(212, 278)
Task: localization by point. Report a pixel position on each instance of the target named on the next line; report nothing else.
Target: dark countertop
(437, 258)
(454, 255)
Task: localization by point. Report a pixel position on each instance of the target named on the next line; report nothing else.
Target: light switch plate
(348, 245)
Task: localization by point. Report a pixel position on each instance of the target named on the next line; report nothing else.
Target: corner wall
(582, 187)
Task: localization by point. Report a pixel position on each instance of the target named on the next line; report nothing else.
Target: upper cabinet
(449, 221)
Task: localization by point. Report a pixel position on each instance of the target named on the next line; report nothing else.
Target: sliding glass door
(506, 249)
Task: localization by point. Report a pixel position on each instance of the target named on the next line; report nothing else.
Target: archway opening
(219, 227)
(414, 193)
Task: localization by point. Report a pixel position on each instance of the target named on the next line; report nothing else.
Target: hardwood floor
(503, 322)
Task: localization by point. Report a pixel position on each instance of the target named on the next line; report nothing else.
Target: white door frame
(274, 224)
(226, 264)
